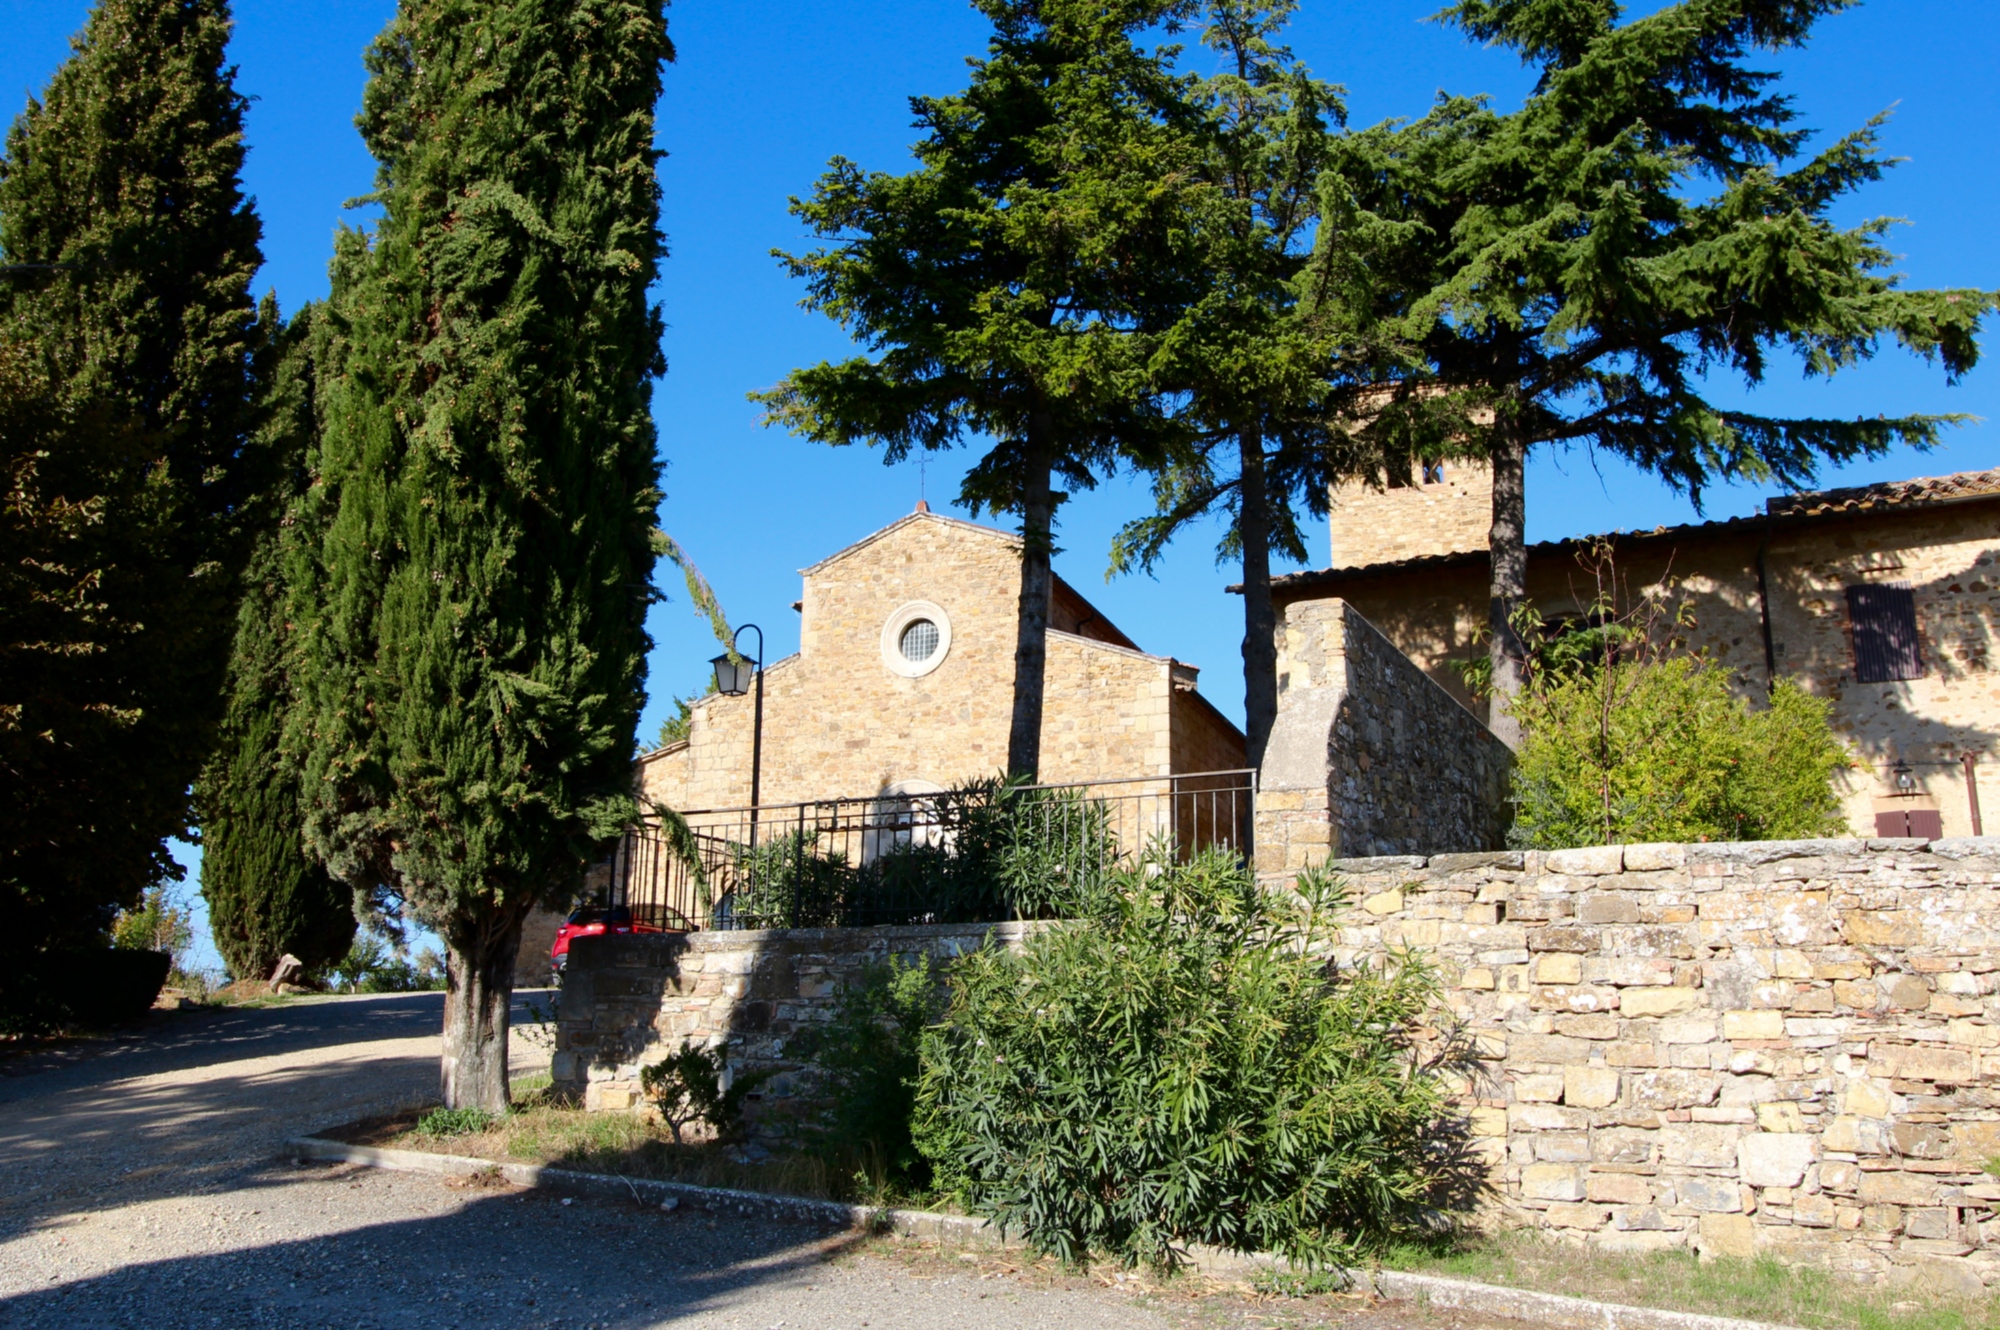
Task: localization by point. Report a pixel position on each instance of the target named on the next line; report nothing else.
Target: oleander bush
(1186, 1063)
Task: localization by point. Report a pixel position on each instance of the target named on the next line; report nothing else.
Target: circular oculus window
(916, 639)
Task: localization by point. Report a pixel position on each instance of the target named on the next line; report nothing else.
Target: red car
(593, 920)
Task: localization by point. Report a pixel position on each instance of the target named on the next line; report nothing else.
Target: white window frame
(892, 639)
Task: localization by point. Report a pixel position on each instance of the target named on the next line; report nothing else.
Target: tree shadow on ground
(506, 1259)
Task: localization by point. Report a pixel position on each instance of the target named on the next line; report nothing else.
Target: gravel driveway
(141, 1184)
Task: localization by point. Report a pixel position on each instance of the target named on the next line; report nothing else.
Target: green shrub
(371, 965)
(1185, 1064)
(867, 1056)
(687, 1088)
(1663, 750)
(163, 922)
(455, 1122)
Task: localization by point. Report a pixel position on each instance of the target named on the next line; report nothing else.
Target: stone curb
(1553, 1310)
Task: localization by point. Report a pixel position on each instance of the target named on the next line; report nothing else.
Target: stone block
(1637, 1003)
(1753, 1025)
(1711, 1194)
(1699, 1145)
(1973, 1034)
(1813, 1211)
(1562, 937)
(1590, 861)
(1976, 1142)
(1919, 1063)
(1866, 1099)
(1479, 977)
(1895, 1188)
(1626, 1146)
(1487, 1121)
(1590, 1087)
(1921, 1140)
(1672, 1088)
(1570, 1214)
(1544, 1088)
(1726, 1236)
(1839, 1174)
(1619, 1189)
(1562, 1147)
(1696, 1029)
(1552, 1182)
(1654, 858)
(1907, 991)
(1629, 971)
(1856, 1136)
(1607, 908)
(1882, 928)
(1780, 1117)
(1559, 967)
(1546, 1117)
(1775, 1159)
(1383, 902)
(1595, 1026)
(1934, 1223)
(1860, 994)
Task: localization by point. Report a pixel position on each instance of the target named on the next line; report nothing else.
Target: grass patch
(544, 1130)
(1759, 1290)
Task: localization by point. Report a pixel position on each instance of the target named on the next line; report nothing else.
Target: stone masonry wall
(1789, 1048)
(1368, 755)
(628, 1001)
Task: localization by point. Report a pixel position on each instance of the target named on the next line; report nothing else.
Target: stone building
(904, 680)
(1883, 598)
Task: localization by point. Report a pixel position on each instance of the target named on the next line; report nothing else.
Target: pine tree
(1256, 365)
(1568, 282)
(128, 332)
(266, 895)
(473, 610)
(999, 282)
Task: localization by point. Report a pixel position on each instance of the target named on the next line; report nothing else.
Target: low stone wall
(1789, 1047)
(630, 1000)
(1368, 755)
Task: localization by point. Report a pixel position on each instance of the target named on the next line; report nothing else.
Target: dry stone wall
(629, 1001)
(1789, 1048)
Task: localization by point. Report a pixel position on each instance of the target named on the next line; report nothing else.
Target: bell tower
(1443, 508)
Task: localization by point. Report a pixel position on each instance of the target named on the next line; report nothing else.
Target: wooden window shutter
(1884, 618)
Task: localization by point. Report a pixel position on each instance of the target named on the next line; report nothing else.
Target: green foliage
(1665, 750)
(674, 729)
(996, 286)
(473, 603)
(127, 341)
(373, 965)
(163, 922)
(687, 1087)
(1188, 1065)
(867, 1057)
(267, 897)
(987, 849)
(440, 1122)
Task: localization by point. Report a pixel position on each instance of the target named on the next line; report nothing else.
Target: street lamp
(734, 676)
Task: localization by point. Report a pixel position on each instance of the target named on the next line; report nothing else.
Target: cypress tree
(472, 613)
(266, 894)
(128, 250)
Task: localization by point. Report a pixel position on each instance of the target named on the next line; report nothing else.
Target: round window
(919, 642)
(916, 639)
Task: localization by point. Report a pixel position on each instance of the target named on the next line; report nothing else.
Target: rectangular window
(1884, 617)
(1433, 473)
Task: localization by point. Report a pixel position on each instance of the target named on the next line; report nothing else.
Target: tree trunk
(1260, 617)
(1031, 634)
(479, 990)
(1508, 548)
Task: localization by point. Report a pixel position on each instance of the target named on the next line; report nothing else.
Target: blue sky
(764, 93)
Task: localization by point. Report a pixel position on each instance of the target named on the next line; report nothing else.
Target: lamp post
(733, 678)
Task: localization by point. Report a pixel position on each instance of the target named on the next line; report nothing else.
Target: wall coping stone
(1509, 860)
(1379, 863)
(1967, 847)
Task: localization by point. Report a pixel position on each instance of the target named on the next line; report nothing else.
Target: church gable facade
(904, 682)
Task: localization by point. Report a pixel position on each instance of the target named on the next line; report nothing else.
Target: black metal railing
(982, 852)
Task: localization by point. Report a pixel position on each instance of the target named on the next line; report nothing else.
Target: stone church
(903, 684)
(1883, 598)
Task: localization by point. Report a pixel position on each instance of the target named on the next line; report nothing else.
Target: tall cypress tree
(129, 250)
(267, 896)
(1001, 282)
(473, 613)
